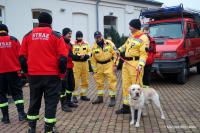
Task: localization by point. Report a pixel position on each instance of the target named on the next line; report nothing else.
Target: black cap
(97, 34)
(135, 23)
(3, 27)
(79, 34)
(45, 18)
(65, 31)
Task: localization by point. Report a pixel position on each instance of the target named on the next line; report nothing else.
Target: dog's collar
(134, 98)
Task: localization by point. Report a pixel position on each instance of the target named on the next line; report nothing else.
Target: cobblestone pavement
(181, 105)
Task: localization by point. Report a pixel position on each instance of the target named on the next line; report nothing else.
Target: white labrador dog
(138, 97)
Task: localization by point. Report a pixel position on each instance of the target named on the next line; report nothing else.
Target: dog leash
(138, 72)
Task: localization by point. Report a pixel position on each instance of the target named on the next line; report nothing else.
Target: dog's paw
(137, 124)
(132, 122)
(163, 117)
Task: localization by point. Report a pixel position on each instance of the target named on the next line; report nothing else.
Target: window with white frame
(35, 15)
(1, 15)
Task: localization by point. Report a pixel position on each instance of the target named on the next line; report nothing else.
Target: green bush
(115, 37)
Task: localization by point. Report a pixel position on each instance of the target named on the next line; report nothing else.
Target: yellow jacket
(135, 45)
(99, 54)
(82, 48)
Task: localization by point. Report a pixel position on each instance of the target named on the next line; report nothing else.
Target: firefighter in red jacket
(44, 53)
(68, 83)
(151, 51)
(9, 68)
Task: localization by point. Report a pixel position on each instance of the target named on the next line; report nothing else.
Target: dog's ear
(141, 89)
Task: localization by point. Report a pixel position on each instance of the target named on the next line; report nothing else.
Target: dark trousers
(147, 74)
(50, 86)
(10, 83)
(68, 85)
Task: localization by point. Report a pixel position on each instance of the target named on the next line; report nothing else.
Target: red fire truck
(177, 35)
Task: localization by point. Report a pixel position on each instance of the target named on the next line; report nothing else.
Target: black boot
(124, 110)
(5, 118)
(70, 103)
(85, 98)
(64, 105)
(50, 128)
(74, 99)
(32, 126)
(21, 113)
(112, 102)
(98, 100)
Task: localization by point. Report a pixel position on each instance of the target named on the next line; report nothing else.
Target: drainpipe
(97, 13)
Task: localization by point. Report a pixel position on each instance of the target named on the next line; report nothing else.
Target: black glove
(86, 57)
(150, 48)
(76, 57)
(23, 64)
(70, 54)
(63, 64)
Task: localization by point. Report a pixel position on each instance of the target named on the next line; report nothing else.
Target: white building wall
(18, 15)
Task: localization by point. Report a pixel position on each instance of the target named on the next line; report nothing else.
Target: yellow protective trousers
(105, 72)
(129, 77)
(81, 78)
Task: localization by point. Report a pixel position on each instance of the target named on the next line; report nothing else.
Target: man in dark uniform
(68, 83)
(9, 79)
(43, 55)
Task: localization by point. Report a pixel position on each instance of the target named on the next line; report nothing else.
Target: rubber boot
(69, 101)
(21, 113)
(32, 126)
(74, 99)
(64, 105)
(112, 102)
(50, 128)
(124, 110)
(85, 98)
(5, 118)
(98, 100)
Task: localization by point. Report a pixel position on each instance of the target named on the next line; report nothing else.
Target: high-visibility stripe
(126, 100)
(52, 120)
(3, 104)
(75, 93)
(19, 101)
(61, 96)
(31, 117)
(83, 91)
(100, 92)
(112, 93)
(142, 62)
(68, 92)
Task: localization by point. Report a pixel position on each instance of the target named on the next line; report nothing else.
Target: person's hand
(114, 68)
(139, 68)
(118, 52)
(82, 56)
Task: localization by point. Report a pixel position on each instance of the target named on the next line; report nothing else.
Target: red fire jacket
(151, 51)
(43, 47)
(9, 54)
(70, 64)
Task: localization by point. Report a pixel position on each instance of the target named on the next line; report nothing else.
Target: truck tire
(182, 77)
(198, 68)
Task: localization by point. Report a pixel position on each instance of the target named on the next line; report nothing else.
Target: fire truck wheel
(198, 68)
(182, 77)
